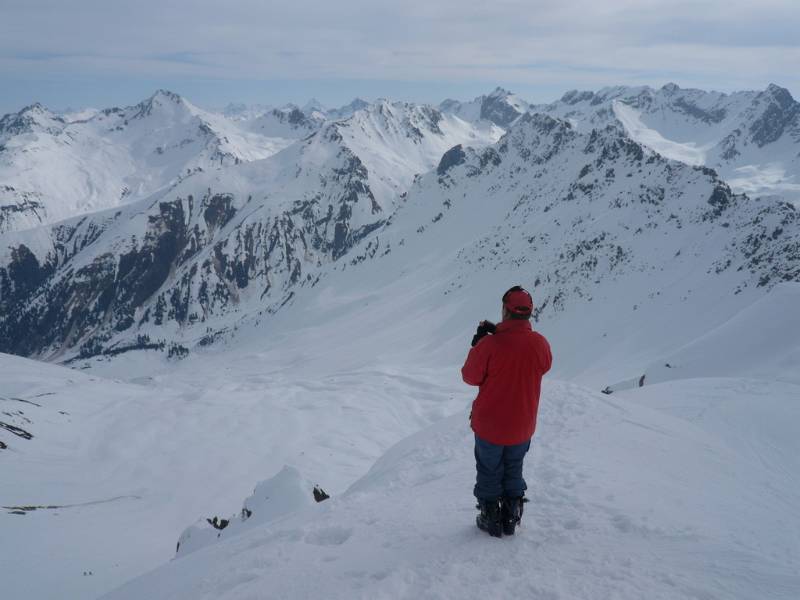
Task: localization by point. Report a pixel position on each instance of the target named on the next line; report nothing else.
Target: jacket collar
(514, 325)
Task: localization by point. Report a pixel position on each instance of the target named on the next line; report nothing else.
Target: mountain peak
(575, 96)
(536, 132)
(37, 111)
(347, 110)
(36, 107)
(781, 94)
(382, 106)
(160, 100)
(500, 92)
(779, 112)
(166, 95)
(358, 103)
(313, 105)
(774, 87)
(501, 107)
(541, 121)
(34, 117)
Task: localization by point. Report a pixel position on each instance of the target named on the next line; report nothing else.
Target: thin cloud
(717, 44)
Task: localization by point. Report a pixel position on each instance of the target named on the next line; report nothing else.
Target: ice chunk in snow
(284, 493)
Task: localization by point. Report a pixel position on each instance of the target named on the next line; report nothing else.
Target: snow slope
(500, 107)
(761, 341)
(271, 499)
(284, 123)
(627, 501)
(118, 469)
(236, 240)
(613, 241)
(752, 137)
(584, 219)
(52, 168)
(687, 152)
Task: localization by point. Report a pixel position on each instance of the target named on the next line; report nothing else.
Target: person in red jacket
(508, 366)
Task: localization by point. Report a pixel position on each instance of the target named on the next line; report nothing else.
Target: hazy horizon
(301, 101)
(84, 54)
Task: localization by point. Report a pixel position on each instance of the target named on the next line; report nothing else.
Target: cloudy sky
(114, 52)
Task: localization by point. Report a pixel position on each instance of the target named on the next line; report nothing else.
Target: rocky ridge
(188, 261)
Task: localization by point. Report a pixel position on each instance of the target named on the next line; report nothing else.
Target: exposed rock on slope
(501, 107)
(187, 261)
(751, 138)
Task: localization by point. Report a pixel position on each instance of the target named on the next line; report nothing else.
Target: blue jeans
(499, 470)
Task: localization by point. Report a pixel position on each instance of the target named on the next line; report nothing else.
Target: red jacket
(508, 366)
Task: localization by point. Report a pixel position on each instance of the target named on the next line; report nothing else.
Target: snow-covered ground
(680, 491)
(761, 342)
(686, 488)
(128, 465)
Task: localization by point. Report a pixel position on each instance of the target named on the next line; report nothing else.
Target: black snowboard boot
(511, 513)
(489, 519)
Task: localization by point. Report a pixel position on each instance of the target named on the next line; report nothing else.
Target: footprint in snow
(329, 536)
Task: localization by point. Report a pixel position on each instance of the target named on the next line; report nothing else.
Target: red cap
(518, 301)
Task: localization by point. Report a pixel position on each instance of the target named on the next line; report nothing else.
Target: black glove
(484, 329)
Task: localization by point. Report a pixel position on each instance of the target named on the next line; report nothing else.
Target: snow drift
(272, 498)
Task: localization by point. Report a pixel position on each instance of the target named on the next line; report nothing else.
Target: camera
(484, 329)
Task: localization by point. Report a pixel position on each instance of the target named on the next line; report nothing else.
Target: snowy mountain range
(595, 209)
(54, 167)
(220, 243)
(57, 166)
(501, 107)
(298, 286)
(751, 138)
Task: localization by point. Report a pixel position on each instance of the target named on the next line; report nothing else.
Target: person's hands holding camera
(484, 329)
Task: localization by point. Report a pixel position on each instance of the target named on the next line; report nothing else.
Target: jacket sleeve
(547, 356)
(476, 366)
